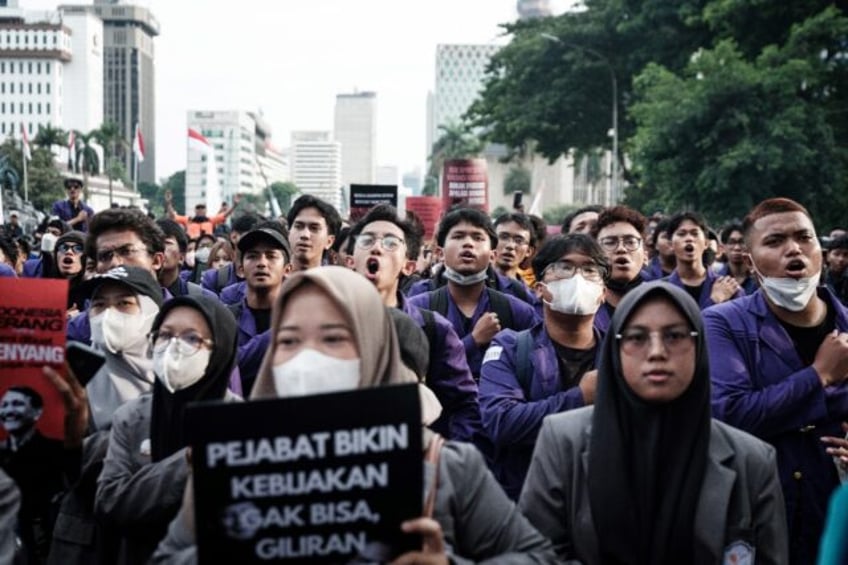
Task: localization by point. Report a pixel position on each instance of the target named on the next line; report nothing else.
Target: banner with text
(429, 211)
(363, 197)
(32, 335)
(319, 479)
(465, 183)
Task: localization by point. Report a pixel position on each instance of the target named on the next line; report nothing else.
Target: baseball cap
(270, 235)
(72, 179)
(138, 279)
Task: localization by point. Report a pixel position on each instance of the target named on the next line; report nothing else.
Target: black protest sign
(363, 197)
(319, 479)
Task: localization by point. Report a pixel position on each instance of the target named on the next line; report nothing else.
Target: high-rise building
(316, 166)
(51, 71)
(460, 70)
(356, 129)
(529, 9)
(128, 73)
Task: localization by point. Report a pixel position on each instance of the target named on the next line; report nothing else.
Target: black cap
(270, 235)
(138, 279)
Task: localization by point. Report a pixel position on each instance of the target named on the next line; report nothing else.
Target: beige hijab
(373, 329)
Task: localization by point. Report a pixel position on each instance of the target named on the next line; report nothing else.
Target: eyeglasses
(73, 187)
(611, 243)
(735, 242)
(124, 252)
(387, 242)
(187, 344)
(676, 339)
(67, 247)
(566, 270)
(518, 240)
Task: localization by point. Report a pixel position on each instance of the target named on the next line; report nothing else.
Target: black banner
(319, 479)
(363, 197)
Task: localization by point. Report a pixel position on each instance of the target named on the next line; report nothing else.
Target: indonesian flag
(72, 149)
(138, 145)
(26, 148)
(198, 142)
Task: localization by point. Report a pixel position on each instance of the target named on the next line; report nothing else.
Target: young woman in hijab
(646, 476)
(331, 333)
(193, 345)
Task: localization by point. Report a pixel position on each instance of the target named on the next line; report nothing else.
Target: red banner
(465, 183)
(428, 209)
(32, 335)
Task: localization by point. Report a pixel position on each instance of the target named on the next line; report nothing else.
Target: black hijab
(647, 460)
(167, 432)
(50, 268)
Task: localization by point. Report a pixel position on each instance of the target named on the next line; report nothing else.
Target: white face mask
(189, 258)
(786, 292)
(122, 333)
(177, 371)
(48, 242)
(202, 254)
(312, 372)
(464, 280)
(576, 295)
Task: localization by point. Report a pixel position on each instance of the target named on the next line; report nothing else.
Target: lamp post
(614, 82)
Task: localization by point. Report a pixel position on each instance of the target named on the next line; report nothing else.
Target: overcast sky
(289, 59)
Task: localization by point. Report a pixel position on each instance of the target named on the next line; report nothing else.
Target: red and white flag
(72, 150)
(26, 148)
(138, 145)
(198, 142)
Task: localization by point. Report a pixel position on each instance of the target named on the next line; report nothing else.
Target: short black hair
(245, 223)
(412, 232)
(523, 222)
(555, 247)
(623, 214)
(343, 237)
(662, 228)
(9, 249)
(693, 217)
(566, 223)
(840, 242)
(125, 219)
(471, 216)
(330, 214)
(172, 229)
(35, 399)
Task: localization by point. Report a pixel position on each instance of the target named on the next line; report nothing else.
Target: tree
(431, 186)
(456, 142)
(284, 192)
(108, 135)
(48, 137)
(728, 132)
(87, 159)
(176, 185)
(556, 215)
(518, 179)
(498, 212)
(155, 196)
(43, 179)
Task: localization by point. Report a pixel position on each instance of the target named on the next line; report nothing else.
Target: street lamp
(614, 81)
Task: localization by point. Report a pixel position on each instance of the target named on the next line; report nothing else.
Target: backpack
(523, 350)
(223, 278)
(498, 301)
(194, 289)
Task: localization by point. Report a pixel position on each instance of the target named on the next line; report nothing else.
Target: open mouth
(795, 268)
(373, 267)
(688, 248)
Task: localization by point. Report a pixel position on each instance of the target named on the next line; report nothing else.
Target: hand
(588, 385)
(75, 401)
(72, 311)
(838, 447)
(188, 504)
(432, 547)
(169, 196)
(82, 216)
(831, 362)
(236, 199)
(723, 289)
(485, 329)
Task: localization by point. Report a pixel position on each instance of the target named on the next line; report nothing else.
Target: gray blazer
(479, 522)
(740, 505)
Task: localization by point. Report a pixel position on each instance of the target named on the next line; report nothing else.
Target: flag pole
(24, 159)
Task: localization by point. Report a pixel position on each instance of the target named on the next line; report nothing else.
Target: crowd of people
(632, 390)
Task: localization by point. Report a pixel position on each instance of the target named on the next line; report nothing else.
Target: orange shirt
(194, 229)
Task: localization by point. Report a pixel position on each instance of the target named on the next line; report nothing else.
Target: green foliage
(176, 184)
(456, 142)
(554, 216)
(43, 180)
(431, 186)
(518, 179)
(498, 212)
(48, 136)
(284, 192)
(254, 203)
(155, 196)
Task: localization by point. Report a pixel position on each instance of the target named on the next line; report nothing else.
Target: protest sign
(32, 335)
(465, 183)
(429, 211)
(315, 479)
(363, 197)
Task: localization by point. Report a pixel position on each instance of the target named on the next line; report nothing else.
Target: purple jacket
(761, 386)
(234, 293)
(704, 301)
(496, 280)
(523, 317)
(749, 286)
(209, 281)
(513, 417)
(653, 272)
(65, 211)
(449, 378)
(32, 268)
(249, 358)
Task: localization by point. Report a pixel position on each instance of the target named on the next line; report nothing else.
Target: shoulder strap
(235, 309)
(223, 277)
(500, 306)
(439, 300)
(434, 452)
(429, 326)
(523, 350)
(194, 289)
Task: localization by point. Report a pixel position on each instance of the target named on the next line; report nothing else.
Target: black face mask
(708, 257)
(621, 288)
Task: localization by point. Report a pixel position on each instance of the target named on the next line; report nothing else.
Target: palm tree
(87, 159)
(48, 136)
(456, 142)
(110, 138)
